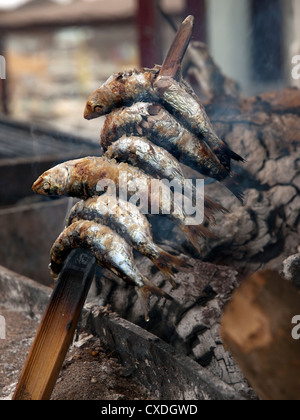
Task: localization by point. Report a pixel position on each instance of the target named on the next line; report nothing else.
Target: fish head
(94, 107)
(100, 103)
(53, 182)
(106, 98)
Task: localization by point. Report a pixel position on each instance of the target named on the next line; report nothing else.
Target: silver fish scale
(121, 216)
(181, 104)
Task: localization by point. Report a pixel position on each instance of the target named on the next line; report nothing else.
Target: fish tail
(208, 212)
(210, 217)
(223, 151)
(149, 287)
(234, 156)
(143, 293)
(194, 232)
(211, 207)
(215, 207)
(165, 261)
(233, 186)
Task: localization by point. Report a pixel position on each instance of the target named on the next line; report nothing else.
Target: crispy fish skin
(119, 90)
(76, 178)
(176, 96)
(140, 152)
(85, 174)
(153, 122)
(156, 162)
(110, 250)
(131, 224)
(180, 99)
(156, 124)
(80, 178)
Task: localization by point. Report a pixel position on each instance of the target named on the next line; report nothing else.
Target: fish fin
(151, 288)
(165, 261)
(225, 155)
(234, 155)
(144, 299)
(211, 207)
(210, 218)
(143, 294)
(194, 232)
(233, 186)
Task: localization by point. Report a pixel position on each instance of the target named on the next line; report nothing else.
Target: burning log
(291, 269)
(191, 321)
(265, 130)
(257, 327)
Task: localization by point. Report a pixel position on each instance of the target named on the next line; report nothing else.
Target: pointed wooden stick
(172, 64)
(57, 328)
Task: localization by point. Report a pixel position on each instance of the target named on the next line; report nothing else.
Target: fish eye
(46, 186)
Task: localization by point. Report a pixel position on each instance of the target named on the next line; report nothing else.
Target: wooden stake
(57, 329)
(172, 64)
(257, 329)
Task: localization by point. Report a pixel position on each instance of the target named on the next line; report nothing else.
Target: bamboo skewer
(57, 328)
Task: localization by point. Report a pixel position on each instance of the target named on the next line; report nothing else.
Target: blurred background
(57, 52)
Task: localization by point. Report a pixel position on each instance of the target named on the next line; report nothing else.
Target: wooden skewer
(172, 64)
(57, 328)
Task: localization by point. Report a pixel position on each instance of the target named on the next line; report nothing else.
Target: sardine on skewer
(180, 99)
(91, 176)
(123, 89)
(110, 250)
(159, 163)
(153, 122)
(131, 224)
(140, 152)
